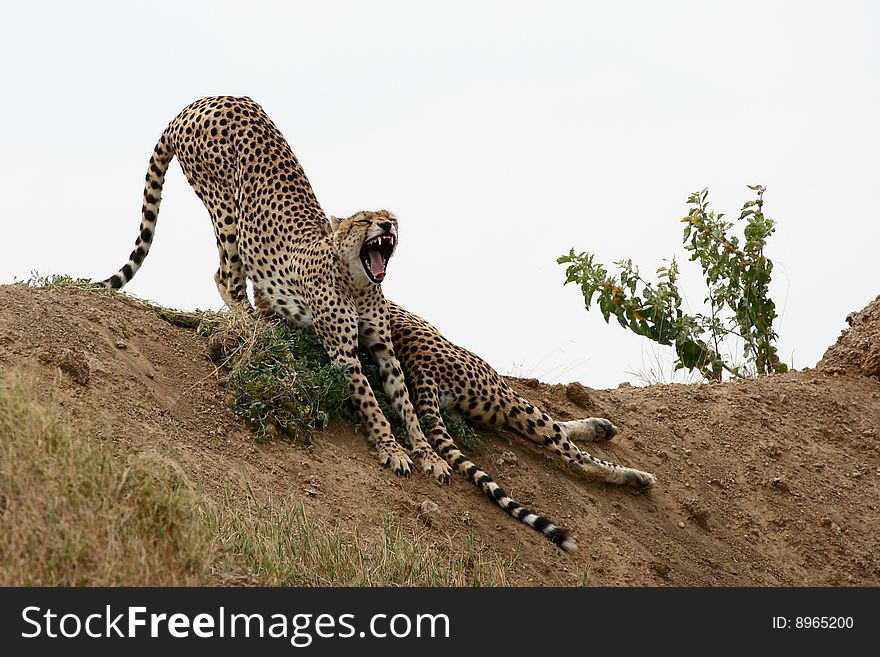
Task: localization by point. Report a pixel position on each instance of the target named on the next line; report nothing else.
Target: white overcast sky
(501, 134)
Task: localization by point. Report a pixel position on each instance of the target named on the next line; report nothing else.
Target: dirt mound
(765, 482)
(857, 350)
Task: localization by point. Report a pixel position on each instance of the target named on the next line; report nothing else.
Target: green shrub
(737, 276)
(280, 380)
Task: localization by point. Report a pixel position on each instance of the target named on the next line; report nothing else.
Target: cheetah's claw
(433, 465)
(399, 462)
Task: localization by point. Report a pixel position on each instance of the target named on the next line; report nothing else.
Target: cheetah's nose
(386, 226)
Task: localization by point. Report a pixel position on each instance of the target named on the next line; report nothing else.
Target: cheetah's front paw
(433, 465)
(392, 455)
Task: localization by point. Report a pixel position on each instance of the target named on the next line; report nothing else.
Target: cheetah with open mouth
(270, 229)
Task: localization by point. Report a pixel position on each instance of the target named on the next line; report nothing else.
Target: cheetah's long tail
(449, 451)
(159, 161)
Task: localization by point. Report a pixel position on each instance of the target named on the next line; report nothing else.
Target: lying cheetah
(270, 229)
(443, 375)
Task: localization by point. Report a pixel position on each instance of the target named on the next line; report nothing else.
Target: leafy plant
(280, 380)
(737, 276)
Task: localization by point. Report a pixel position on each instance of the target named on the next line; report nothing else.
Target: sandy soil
(761, 482)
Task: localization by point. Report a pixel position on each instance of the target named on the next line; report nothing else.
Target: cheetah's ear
(334, 224)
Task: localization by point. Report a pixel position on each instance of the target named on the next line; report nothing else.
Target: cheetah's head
(365, 241)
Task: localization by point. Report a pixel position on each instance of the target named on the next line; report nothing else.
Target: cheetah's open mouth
(375, 254)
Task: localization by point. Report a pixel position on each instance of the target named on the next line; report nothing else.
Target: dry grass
(279, 543)
(77, 511)
(74, 513)
(233, 336)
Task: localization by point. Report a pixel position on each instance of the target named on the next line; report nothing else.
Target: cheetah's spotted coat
(443, 375)
(270, 229)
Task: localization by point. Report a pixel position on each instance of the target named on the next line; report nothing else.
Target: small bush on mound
(737, 276)
(280, 381)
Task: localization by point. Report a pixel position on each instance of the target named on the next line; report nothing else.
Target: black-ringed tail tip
(444, 445)
(563, 540)
(556, 534)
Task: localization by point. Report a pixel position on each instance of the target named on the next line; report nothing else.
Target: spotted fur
(270, 229)
(444, 375)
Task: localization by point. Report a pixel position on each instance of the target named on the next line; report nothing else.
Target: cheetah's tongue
(377, 263)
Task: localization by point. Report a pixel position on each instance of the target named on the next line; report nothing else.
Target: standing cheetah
(270, 229)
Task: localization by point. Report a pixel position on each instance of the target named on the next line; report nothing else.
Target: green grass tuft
(60, 280)
(280, 381)
(286, 383)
